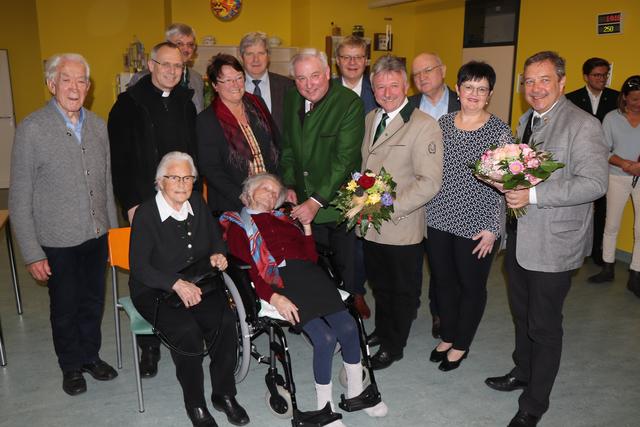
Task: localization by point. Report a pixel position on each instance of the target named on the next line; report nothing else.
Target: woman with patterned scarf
(236, 135)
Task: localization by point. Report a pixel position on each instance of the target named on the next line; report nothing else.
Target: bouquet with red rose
(366, 200)
(514, 167)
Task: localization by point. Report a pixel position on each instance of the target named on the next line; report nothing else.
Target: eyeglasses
(425, 71)
(239, 80)
(190, 45)
(599, 75)
(480, 90)
(168, 66)
(174, 179)
(354, 58)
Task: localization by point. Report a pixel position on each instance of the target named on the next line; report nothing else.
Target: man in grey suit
(254, 51)
(550, 241)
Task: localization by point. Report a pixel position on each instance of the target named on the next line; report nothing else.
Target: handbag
(208, 282)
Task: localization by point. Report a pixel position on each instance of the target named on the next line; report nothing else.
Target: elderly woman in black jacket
(174, 239)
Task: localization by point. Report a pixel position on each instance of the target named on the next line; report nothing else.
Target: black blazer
(224, 178)
(159, 251)
(279, 86)
(608, 101)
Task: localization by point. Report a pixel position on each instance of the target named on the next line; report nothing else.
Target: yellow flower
(373, 199)
(352, 185)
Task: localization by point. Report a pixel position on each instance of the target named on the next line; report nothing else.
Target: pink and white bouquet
(366, 200)
(515, 167)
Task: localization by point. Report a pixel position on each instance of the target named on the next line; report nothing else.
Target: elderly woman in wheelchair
(282, 257)
(175, 240)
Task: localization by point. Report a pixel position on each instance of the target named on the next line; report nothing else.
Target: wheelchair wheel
(244, 338)
(279, 405)
(342, 376)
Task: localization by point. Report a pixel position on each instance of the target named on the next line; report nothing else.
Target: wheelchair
(256, 318)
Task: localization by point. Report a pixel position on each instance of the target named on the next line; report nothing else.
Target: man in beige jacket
(408, 144)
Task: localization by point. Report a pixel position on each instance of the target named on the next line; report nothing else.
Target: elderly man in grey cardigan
(61, 204)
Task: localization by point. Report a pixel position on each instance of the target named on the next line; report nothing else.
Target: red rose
(366, 181)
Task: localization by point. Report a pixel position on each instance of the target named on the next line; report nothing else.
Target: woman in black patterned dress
(466, 218)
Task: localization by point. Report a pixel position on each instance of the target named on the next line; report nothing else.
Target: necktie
(529, 129)
(381, 126)
(185, 77)
(256, 89)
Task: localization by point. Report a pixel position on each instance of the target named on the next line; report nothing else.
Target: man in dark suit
(351, 59)
(596, 99)
(254, 52)
(550, 241)
(435, 99)
(323, 130)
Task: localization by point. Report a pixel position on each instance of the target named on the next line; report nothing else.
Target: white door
(7, 119)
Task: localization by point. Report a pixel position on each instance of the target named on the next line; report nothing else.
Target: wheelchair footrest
(368, 398)
(317, 418)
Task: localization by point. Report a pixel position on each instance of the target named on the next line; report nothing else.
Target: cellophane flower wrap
(366, 200)
(516, 166)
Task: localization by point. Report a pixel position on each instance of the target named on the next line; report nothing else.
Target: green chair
(119, 258)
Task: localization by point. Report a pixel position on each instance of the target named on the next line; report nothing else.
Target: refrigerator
(7, 119)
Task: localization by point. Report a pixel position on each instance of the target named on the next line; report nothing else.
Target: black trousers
(343, 245)
(599, 218)
(76, 295)
(462, 285)
(190, 329)
(433, 295)
(536, 300)
(393, 277)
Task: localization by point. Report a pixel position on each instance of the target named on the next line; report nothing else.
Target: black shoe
(606, 275)
(505, 383)
(201, 417)
(73, 382)
(373, 339)
(633, 284)
(236, 414)
(383, 359)
(449, 365)
(435, 327)
(524, 419)
(149, 357)
(100, 370)
(438, 356)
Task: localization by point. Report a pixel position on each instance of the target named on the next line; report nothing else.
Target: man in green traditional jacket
(322, 135)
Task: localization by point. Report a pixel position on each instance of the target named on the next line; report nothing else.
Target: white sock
(355, 387)
(324, 395)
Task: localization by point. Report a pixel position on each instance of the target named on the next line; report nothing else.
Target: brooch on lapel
(432, 148)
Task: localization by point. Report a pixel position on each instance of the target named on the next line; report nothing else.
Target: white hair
(250, 184)
(168, 159)
(179, 29)
(307, 53)
(53, 63)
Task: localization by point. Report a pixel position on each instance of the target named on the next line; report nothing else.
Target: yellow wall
(540, 23)
(431, 37)
(101, 31)
(272, 17)
(19, 35)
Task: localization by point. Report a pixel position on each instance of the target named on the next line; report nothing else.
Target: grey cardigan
(61, 193)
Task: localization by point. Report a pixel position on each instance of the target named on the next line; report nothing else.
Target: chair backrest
(119, 247)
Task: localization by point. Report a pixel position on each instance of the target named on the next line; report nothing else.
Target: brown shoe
(361, 306)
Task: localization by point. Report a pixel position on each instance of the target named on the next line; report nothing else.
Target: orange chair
(119, 258)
